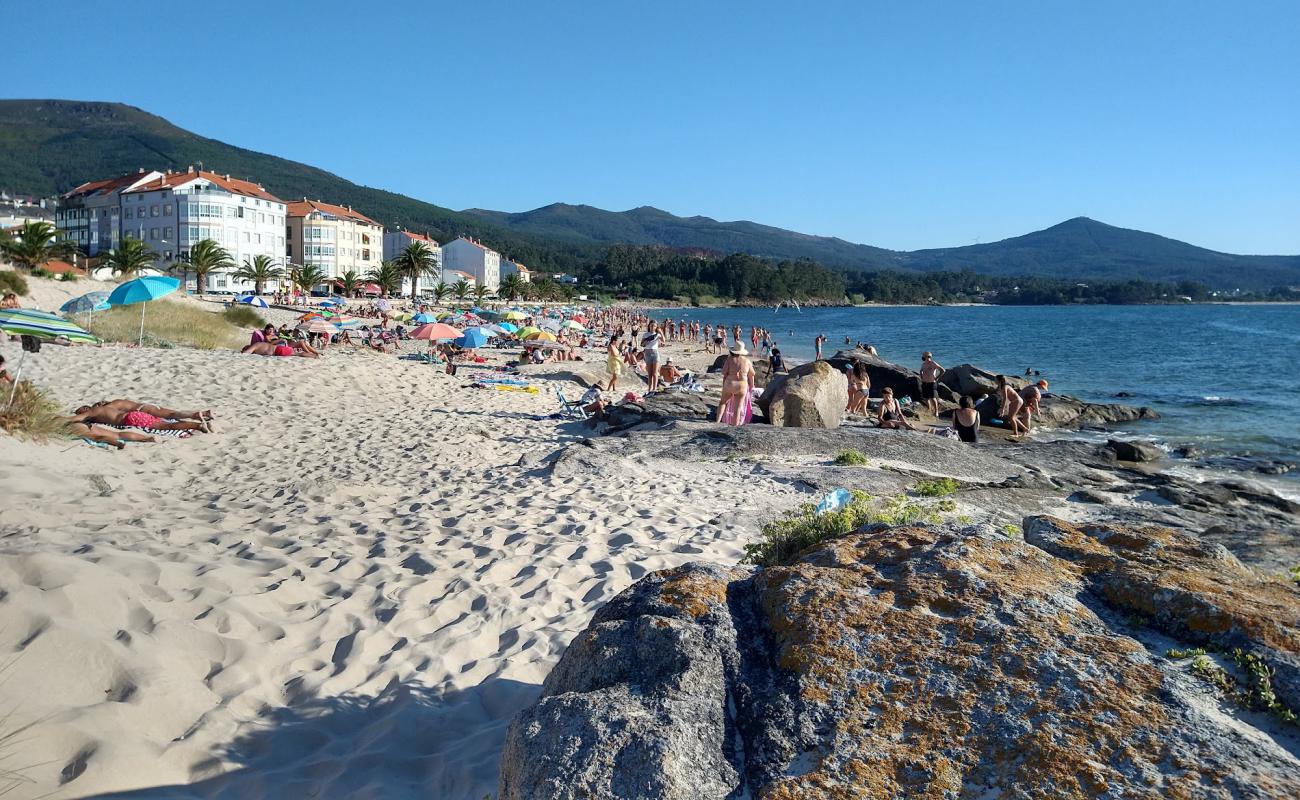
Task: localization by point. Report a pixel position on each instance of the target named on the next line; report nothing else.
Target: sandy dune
(346, 592)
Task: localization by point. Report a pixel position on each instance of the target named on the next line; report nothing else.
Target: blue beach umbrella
(423, 319)
(143, 290)
(508, 327)
(474, 337)
(253, 300)
(93, 301)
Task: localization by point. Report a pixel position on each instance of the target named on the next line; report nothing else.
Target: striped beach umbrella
(42, 325)
(253, 300)
(93, 301)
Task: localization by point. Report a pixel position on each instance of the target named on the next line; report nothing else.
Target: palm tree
(460, 288)
(129, 259)
(511, 287)
(351, 282)
(440, 293)
(261, 270)
(34, 245)
(206, 256)
(308, 277)
(387, 276)
(416, 261)
(480, 294)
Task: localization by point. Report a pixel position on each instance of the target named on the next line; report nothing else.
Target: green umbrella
(42, 325)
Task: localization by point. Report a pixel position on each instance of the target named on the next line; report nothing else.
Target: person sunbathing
(275, 349)
(123, 404)
(136, 419)
(107, 436)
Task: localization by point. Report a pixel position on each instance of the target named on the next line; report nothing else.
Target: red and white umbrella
(436, 330)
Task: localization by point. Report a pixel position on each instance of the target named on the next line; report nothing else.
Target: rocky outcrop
(905, 382)
(928, 662)
(1135, 451)
(968, 379)
(812, 396)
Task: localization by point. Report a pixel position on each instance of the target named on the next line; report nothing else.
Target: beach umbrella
(579, 318)
(474, 337)
(424, 319)
(93, 301)
(507, 327)
(143, 290)
(42, 325)
(436, 330)
(317, 325)
(405, 316)
(526, 331)
(552, 325)
(347, 322)
(253, 300)
(512, 316)
(573, 326)
(383, 305)
(540, 336)
(332, 301)
(490, 315)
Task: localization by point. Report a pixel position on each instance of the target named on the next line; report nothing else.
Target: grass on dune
(169, 324)
(32, 415)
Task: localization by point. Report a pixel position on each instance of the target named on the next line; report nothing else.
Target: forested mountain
(50, 146)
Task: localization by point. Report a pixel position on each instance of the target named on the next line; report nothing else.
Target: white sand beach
(347, 591)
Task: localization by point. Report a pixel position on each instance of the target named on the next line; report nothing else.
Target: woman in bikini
(891, 413)
(859, 389)
(124, 405)
(737, 387)
(135, 419)
(966, 421)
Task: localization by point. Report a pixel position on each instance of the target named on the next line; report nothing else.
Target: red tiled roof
(479, 245)
(301, 208)
(233, 185)
(106, 186)
(60, 267)
(419, 237)
(461, 273)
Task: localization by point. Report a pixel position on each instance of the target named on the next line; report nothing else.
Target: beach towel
(154, 431)
(738, 413)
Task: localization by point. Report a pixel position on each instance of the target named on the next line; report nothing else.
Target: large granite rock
(812, 396)
(927, 662)
(1135, 451)
(905, 382)
(968, 379)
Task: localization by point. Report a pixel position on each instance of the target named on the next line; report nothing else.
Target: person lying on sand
(136, 419)
(107, 436)
(277, 349)
(266, 334)
(123, 404)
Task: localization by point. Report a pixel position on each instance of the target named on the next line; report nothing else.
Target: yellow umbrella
(540, 336)
(514, 315)
(524, 333)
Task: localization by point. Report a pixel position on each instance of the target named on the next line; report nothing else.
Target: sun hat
(738, 349)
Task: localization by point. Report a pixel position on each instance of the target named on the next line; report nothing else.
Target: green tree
(511, 287)
(129, 259)
(206, 256)
(308, 277)
(480, 294)
(440, 293)
(351, 282)
(261, 271)
(34, 245)
(387, 276)
(460, 289)
(414, 262)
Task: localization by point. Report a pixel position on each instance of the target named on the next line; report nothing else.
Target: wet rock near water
(1136, 452)
(922, 662)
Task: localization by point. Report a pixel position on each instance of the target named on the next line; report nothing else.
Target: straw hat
(738, 349)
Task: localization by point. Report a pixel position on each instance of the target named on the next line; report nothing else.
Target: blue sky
(903, 125)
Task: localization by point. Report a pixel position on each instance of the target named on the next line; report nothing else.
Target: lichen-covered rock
(814, 398)
(919, 662)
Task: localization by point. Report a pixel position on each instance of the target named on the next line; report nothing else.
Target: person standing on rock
(650, 350)
(1030, 396)
(737, 387)
(1009, 405)
(817, 343)
(613, 364)
(931, 372)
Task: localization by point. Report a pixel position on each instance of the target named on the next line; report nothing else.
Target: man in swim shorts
(931, 372)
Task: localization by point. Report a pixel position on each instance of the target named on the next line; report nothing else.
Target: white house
(396, 241)
(175, 211)
(453, 276)
(509, 267)
(468, 255)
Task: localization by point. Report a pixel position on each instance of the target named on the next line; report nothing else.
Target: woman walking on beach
(737, 388)
(613, 364)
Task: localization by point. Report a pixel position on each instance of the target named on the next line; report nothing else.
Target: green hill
(50, 146)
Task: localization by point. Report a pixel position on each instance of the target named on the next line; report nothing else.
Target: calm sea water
(1224, 378)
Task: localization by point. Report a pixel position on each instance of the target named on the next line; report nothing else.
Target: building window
(247, 238)
(365, 254)
(167, 209)
(167, 233)
(259, 238)
(153, 234)
(127, 214)
(153, 211)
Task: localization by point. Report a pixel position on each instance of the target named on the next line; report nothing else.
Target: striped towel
(154, 431)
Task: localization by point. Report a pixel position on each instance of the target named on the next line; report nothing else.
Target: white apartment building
(90, 215)
(451, 277)
(509, 267)
(468, 255)
(396, 241)
(174, 212)
(336, 239)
